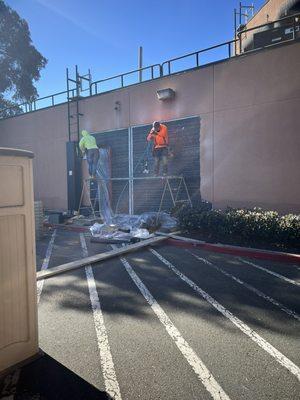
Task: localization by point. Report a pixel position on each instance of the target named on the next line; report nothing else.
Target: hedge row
(249, 225)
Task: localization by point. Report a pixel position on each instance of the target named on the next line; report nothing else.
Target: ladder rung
(75, 98)
(74, 115)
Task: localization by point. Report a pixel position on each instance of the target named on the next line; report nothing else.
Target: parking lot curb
(236, 250)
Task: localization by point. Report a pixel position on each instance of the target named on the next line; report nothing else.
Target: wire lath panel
(184, 138)
(184, 144)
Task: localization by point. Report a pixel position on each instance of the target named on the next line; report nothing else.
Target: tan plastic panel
(13, 308)
(18, 302)
(11, 186)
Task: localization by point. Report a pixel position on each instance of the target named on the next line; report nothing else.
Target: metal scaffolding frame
(86, 189)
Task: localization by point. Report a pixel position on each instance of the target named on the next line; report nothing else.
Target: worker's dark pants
(160, 155)
(92, 159)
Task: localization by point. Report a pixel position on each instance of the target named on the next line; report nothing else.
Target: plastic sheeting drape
(103, 197)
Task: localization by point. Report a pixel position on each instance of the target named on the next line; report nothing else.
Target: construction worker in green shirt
(89, 146)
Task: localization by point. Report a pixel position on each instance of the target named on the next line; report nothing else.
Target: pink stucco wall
(250, 142)
(45, 133)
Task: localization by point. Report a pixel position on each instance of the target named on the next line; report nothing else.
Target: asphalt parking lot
(171, 323)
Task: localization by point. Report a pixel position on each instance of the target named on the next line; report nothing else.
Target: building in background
(233, 124)
(264, 28)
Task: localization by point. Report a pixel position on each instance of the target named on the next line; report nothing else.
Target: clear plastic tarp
(123, 224)
(103, 197)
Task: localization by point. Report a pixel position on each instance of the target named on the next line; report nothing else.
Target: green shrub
(247, 225)
(289, 229)
(183, 211)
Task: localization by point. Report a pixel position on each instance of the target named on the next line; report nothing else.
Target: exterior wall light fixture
(165, 94)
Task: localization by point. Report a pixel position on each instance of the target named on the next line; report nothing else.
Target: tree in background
(20, 62)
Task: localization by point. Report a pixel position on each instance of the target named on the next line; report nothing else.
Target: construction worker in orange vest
(159, 135)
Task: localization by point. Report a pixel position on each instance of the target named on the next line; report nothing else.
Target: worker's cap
(156, 124)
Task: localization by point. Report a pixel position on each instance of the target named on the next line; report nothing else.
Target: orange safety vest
(161, 139)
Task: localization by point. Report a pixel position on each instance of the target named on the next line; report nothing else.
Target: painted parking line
(40, 284)
(276, 303)
(106, 360)
(268, 271)
(254, 336)
(204, 375)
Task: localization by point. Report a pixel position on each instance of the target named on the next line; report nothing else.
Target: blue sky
(104, 35)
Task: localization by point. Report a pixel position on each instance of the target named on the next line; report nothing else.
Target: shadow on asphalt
(47, 379)
(118, 294)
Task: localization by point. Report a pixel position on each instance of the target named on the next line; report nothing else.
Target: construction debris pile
(106, 226)
(132, 228)
(123, 228)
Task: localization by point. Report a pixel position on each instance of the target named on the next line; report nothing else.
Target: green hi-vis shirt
(87, 141)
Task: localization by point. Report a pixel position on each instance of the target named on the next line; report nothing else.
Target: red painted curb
(240, 251)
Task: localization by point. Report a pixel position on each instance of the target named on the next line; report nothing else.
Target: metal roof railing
(196, 54)
(155, 72)
(190, 61)
(36, 104)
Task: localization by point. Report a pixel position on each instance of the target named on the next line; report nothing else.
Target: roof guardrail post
(90, 81)
(161, 70)
(197, 59)
(240, 43)
(77, 81)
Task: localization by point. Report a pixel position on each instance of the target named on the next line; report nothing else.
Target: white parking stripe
(284, 278)
(40, 284)
(192, 358)
(279, 357)
(107, 364)
(253, 289)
